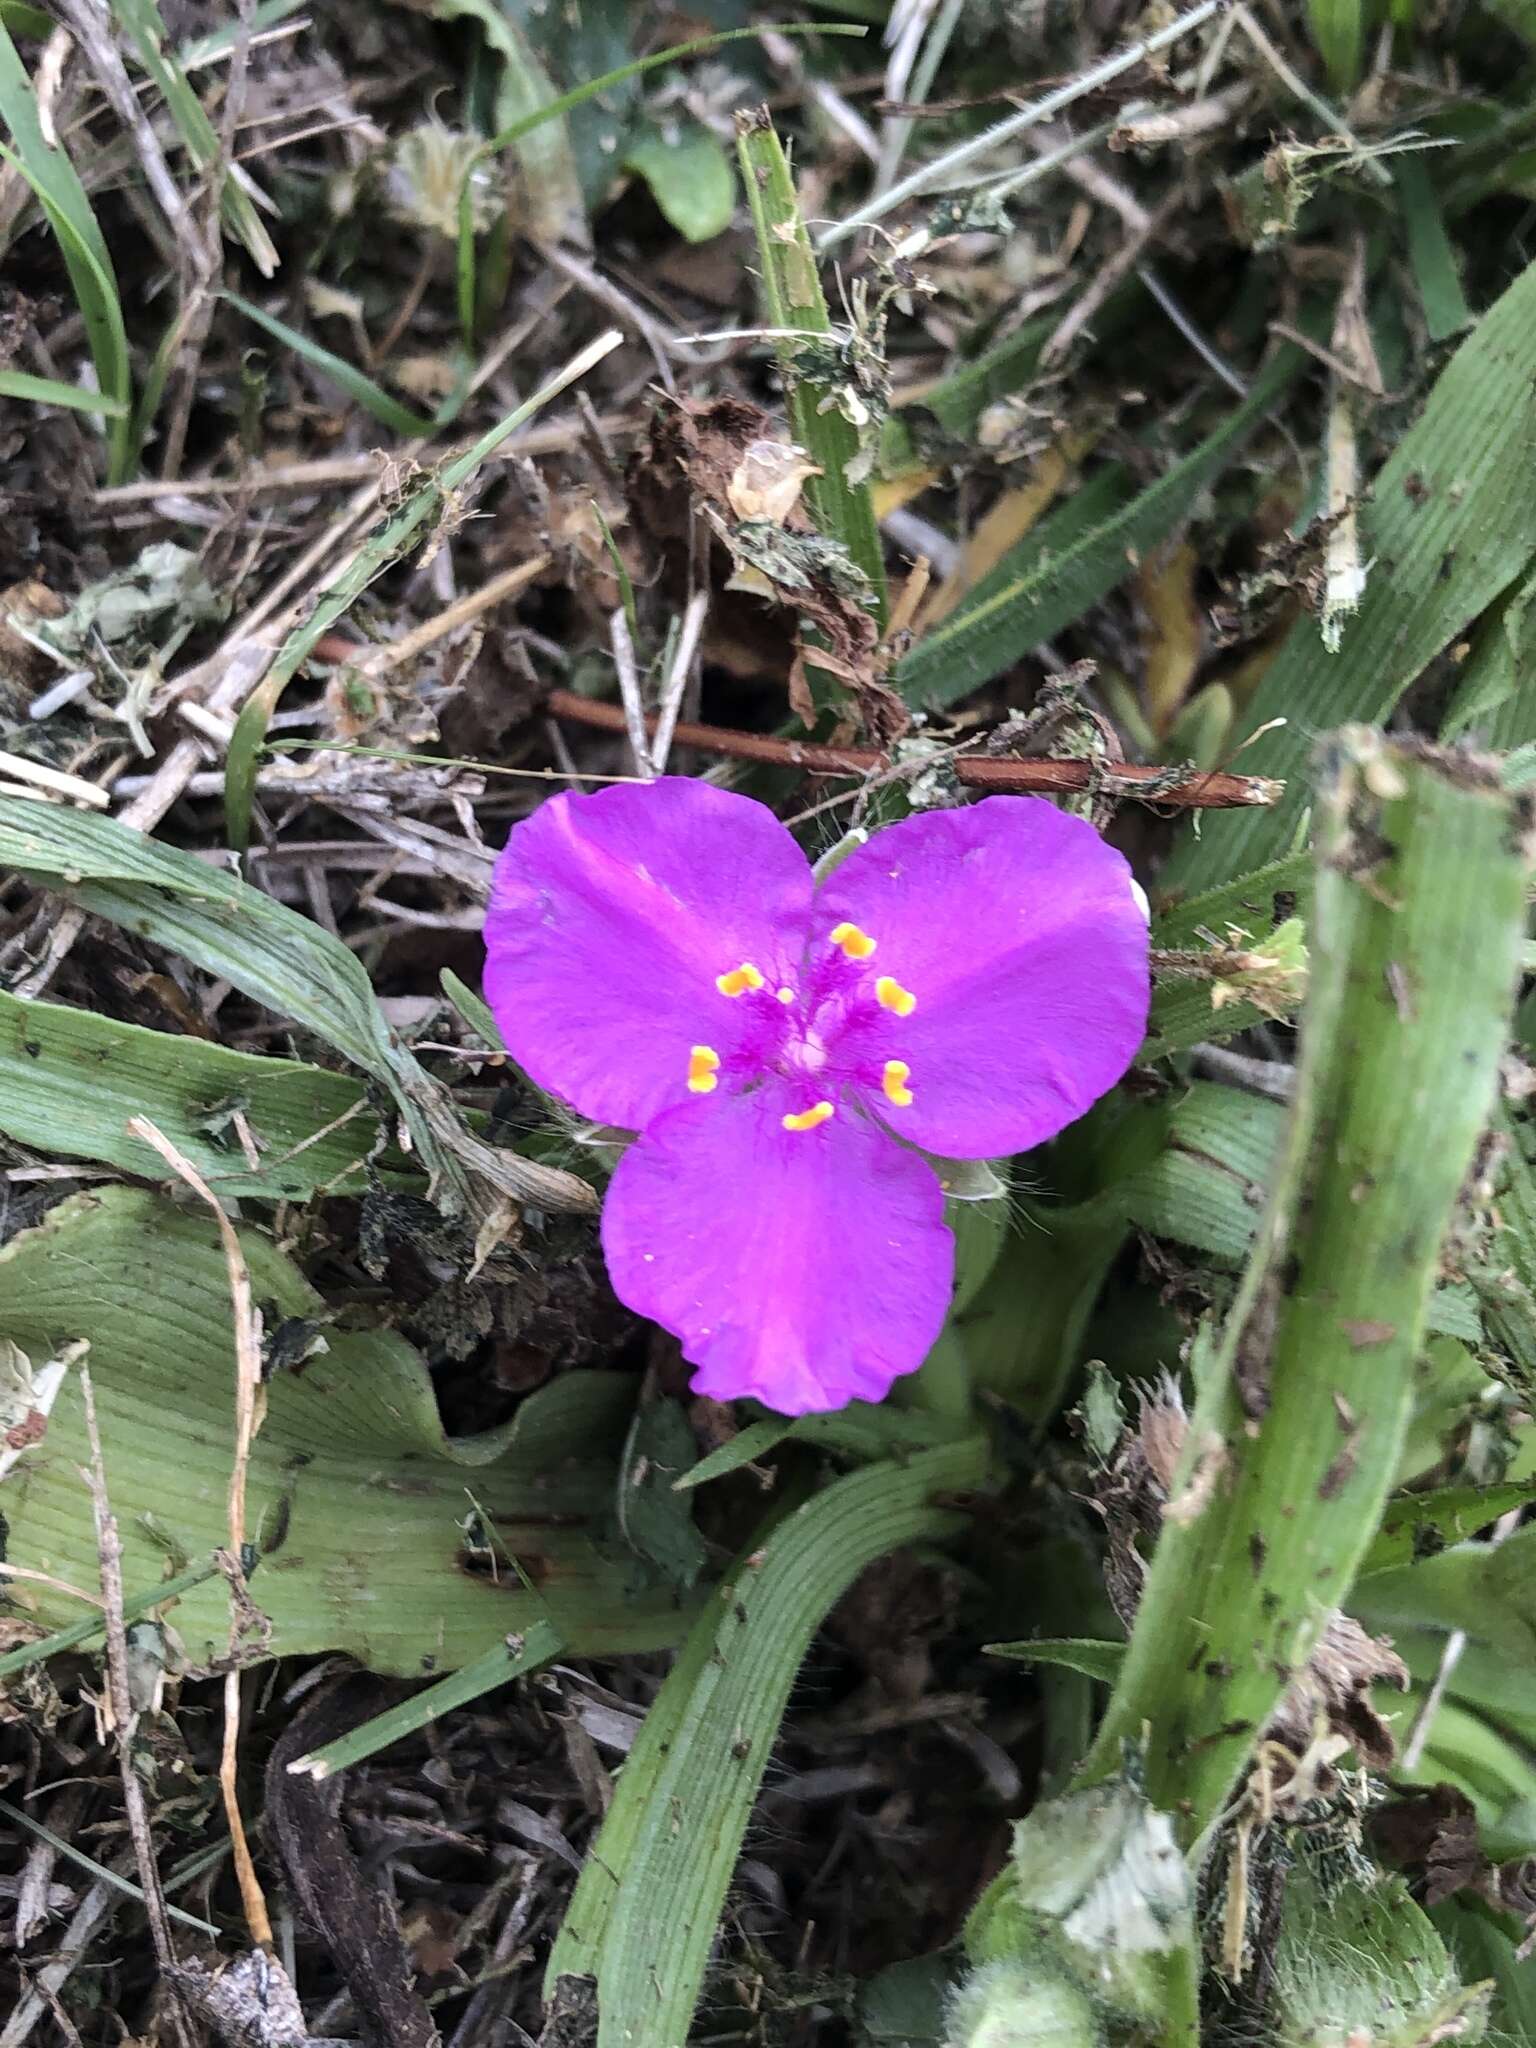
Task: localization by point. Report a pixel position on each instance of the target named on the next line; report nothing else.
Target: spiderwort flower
(964, 984)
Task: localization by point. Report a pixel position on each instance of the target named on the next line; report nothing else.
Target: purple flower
(964, 984)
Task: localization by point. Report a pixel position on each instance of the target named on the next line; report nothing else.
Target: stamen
(739, 980)
(894, 1082)
(703, 1061)
(856, 944)
(890, 995)
(808, 1119)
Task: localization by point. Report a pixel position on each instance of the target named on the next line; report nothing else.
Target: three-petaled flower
(964, 984)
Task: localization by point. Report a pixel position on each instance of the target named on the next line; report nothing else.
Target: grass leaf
(1450, 525)
(71, 1080)
(373, 398)
(49, 391)
(1036, 591)
(53, 178)
(840, 502)
(281, 960)
(146, 29)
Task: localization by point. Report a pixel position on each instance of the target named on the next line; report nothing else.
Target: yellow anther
(703, 1062)
(894, 1082)
(808, 1119)
(890, 995)
(856, 944)
(739, 980)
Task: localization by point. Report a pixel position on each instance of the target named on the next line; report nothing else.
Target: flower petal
(611, 918)
(1014, 930)
(806, 1267)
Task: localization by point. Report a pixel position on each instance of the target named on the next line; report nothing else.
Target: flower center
(830, 1025)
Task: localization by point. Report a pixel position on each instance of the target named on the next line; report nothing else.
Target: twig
(677, 678)
(54, 780)
(915, 40)
(73, 1946)
(621, 307)
(786, 58)
(633, 714)
(943, 168)
(22, 1571)
(247, 1390)
(92, 28)
(1215, 790)
(1108, 277)
(553, 437)
(378, 660)
(125, 1719)
(1206, 350)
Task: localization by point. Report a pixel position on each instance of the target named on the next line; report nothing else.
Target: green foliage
(1338, 29)
(373, 398)
(356, 1499)
(62, 197)
(1299, 1420)
(1450, 526)
(690, 178)
(145, 28)
(70, 1081)
(652, 1889)
(831, 408)
(1355, 1955)
(1041, 586)
(282, 960)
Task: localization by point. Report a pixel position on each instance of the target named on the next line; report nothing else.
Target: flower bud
(1100, 1871)
(1357, 1961)
(1021, 2005)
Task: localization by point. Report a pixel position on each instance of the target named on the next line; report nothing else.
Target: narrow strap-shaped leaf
(1034, 593)
(643, 1917)
(1451, 523)
(1299, 1418)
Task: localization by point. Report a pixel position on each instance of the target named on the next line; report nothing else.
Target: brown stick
(1213, 791)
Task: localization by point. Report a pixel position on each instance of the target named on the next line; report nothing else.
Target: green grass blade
(62, 197)
(1032, 594)
(164, 1594)
(49, 391)
(100, 1871)
(1230, 958)
(796, 307)
(146, 30)
(1446, 311)
(23, 20)
(1300, 1417)
(1338, 30)
(644, 1914)
(202, 50)
(373, 398)
(382, 547)
(1451, 524)
(517, 1657)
